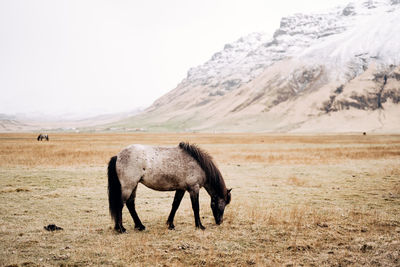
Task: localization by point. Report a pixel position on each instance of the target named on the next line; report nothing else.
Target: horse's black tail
(114, 190)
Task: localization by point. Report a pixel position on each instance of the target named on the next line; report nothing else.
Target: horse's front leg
(131, 207)
(175, 205)
(194, 197)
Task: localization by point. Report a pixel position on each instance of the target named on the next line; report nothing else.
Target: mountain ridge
(316, 66)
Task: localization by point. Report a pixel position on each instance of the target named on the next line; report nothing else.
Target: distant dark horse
(182, 168)
(43, 136)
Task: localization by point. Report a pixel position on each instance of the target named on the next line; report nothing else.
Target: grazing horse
(182, 168)
(43, 136)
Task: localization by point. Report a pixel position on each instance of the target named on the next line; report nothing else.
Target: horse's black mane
(206, 162)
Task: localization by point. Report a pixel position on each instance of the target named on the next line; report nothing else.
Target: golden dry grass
(296, 200)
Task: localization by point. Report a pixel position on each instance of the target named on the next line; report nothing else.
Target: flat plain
(314, 200)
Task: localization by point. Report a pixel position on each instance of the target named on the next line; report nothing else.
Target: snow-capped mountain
(332, 71)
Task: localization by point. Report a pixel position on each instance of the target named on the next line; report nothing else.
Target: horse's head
(218, 205)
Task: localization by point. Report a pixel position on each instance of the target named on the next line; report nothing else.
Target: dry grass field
(326, 200)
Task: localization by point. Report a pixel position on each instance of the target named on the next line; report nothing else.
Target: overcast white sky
(97, 56)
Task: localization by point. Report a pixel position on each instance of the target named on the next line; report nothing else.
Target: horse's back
(159, 168)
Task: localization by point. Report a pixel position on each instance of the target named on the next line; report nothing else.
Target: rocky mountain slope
(337, 71)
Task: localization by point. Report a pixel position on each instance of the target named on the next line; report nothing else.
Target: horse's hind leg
(118, 222)
(130, 203)
(175, 205)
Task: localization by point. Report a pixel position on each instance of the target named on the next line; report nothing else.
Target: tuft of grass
(293, 180)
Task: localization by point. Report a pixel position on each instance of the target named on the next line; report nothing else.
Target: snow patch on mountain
(344, 38)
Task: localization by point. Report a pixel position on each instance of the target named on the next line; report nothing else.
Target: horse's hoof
(120, 230)
(201, 227)
(140, 227)
(171, 227)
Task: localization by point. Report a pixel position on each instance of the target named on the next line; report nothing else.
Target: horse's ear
(228, 196)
